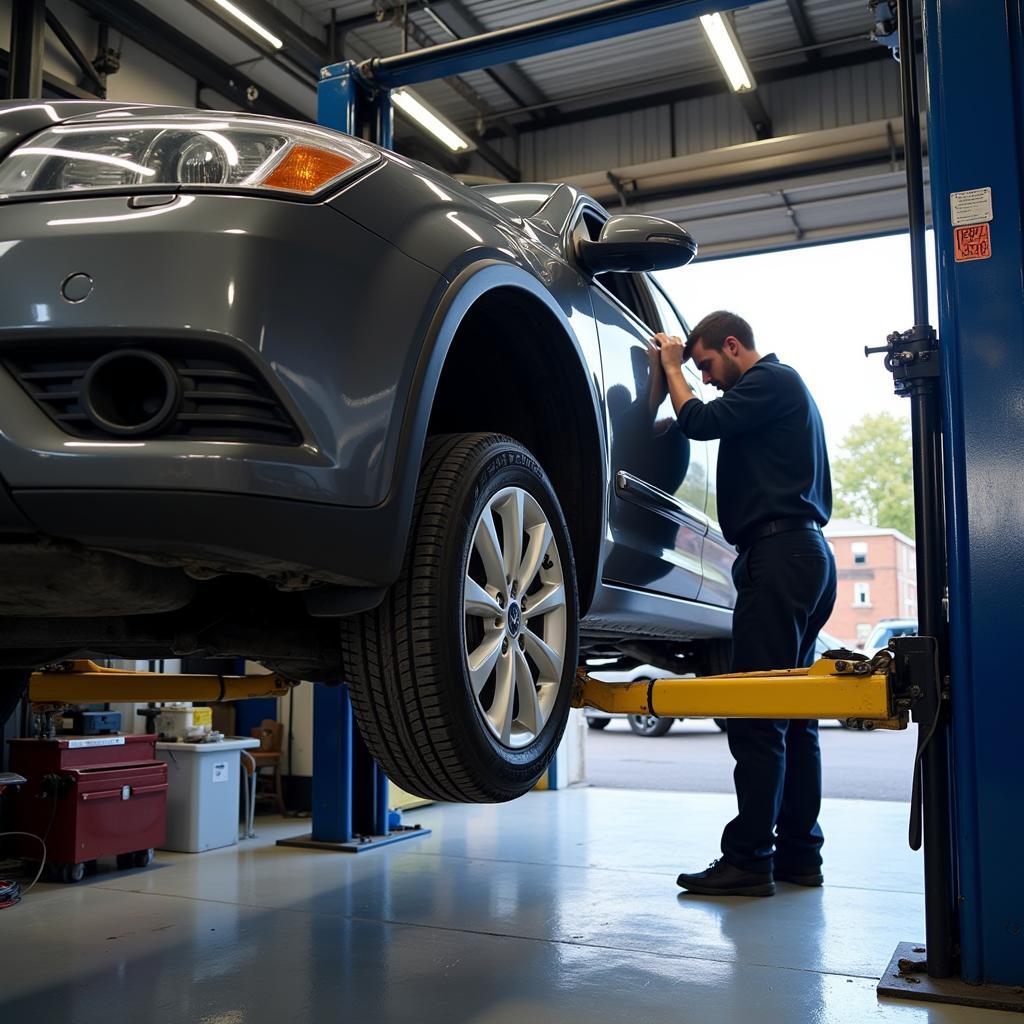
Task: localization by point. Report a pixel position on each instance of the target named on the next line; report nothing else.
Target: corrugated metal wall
(830, 99)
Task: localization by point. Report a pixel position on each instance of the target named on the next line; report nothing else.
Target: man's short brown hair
(716, 327)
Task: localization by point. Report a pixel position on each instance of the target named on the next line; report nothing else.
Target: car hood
(21, 118)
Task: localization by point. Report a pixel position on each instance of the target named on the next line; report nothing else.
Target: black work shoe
(800, 876)
(722, 879)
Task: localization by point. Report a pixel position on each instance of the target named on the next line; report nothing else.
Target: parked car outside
(269, 391)
(885, 630)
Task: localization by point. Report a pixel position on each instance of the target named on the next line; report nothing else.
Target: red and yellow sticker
(972, 242)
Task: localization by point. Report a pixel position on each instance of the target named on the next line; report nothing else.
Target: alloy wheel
(514, 606)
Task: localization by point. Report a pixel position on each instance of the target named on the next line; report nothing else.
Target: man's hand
(673, 351)
(673, 355)
(657, 386)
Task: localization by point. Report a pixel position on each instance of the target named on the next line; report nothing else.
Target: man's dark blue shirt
(772, 463)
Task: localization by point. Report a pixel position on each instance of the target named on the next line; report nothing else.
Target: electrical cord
(11, 892)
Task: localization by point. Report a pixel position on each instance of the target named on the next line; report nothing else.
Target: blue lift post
(975, 54)
(968, 474)
(350, 792)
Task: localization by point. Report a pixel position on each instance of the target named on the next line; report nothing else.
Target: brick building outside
(877, 578)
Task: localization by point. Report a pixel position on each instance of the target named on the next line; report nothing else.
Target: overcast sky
(816, 308)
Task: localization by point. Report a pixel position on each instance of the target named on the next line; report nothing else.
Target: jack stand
(350, 793)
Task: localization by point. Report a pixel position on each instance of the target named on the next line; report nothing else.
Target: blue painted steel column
(346, 102)
(976, 132)
(332, 764)
(336, 95)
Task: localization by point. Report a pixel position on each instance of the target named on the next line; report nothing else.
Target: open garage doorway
(816, 307)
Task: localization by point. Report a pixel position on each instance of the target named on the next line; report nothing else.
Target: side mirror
(633, 244)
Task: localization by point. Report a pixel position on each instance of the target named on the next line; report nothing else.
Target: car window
(671, 321)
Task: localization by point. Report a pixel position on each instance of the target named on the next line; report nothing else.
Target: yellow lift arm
(85, 682)
(868, 694)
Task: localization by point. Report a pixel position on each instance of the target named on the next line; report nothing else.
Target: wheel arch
(488, 307)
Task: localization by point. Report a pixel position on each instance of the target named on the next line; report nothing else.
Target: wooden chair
(271, 736)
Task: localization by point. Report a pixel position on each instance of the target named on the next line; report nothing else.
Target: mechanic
(774, 496)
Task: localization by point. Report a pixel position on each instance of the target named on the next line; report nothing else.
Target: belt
(773, 527)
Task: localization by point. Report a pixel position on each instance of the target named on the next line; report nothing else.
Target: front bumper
(305, 293)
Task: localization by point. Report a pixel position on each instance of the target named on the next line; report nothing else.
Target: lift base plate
(357, 844)
(918, 986)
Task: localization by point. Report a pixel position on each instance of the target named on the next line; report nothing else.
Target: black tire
(598, 723)
(125, 861)
(404, 661)
(716, 658)
(647, 725)
(722, 723)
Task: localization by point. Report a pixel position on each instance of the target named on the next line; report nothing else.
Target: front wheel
(461, 679)
(648, 725)
(597, 723)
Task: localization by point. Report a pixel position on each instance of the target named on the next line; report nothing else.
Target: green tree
(873, 475)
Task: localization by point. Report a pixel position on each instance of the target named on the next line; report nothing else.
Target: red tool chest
(105, 795)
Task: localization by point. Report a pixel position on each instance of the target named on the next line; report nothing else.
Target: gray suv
(269, 391)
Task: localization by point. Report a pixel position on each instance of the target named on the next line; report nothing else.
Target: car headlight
(222, 153)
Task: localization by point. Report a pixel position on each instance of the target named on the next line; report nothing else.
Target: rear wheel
(648, 725)
(461, 678)
(597, 723)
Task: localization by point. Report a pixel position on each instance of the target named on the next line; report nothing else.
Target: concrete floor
(695, 757)
(560, 907)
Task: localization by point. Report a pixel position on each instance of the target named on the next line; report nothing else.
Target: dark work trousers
(786, 587)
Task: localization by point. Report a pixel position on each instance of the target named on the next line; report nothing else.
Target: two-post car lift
(968, 446)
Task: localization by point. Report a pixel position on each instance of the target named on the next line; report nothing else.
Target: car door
(717, 554)
(654, 537)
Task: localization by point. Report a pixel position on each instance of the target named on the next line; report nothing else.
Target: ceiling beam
(755, 111)
(699, 90)
(519, 86)
(307, 50)
(798, 13)
(156, 35)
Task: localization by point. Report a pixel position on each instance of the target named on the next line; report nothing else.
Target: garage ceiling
(646, 107)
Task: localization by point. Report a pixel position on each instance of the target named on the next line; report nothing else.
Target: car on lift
(267, 390)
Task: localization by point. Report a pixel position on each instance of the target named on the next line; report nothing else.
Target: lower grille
(220, 395)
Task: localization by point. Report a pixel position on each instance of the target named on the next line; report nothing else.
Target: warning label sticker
(971, 207)
(972, 243)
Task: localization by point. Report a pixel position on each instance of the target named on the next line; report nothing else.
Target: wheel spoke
(547, 599)
(548, 661)
(504, 698)
(479, 602)
(540, 541)
(482, 660)
(486, 543)
(530, 715)
(511, 513)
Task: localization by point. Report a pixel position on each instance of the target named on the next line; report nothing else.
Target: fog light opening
(131, 392)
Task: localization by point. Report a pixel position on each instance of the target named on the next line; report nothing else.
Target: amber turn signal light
(307, 169)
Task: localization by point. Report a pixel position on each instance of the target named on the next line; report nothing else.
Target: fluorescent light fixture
(237, 13)
(723, 41)
(443, 130)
